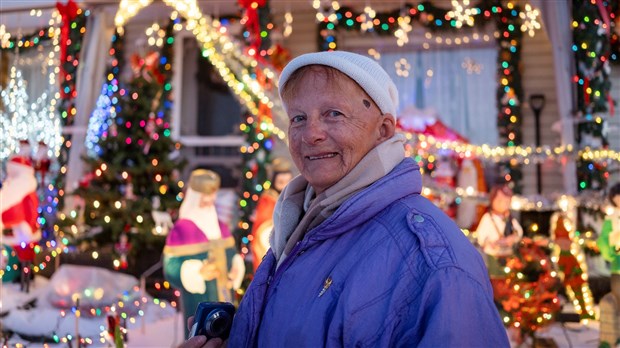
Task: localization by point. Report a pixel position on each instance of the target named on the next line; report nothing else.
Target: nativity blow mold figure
(498, 231)
(571, 259)
(200, 257)
(263, 219)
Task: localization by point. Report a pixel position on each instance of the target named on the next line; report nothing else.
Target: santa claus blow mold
(18, 205)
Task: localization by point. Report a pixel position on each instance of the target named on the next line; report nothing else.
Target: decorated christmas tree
(132, 189)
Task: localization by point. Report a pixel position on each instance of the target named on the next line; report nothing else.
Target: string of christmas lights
(25, 42)
(429, 145)
(332, 16)
(35, 122)
(236, 66)
(102, 117)
(130, 306)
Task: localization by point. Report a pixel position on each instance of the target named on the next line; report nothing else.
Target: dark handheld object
(213, 319)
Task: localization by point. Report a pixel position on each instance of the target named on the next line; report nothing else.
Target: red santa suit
(18, 205)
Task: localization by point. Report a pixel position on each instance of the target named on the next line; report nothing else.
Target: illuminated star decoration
(462, 14)
(404, 28)
(530, 20)
(471, 66)
(402, 67)
(326, 10)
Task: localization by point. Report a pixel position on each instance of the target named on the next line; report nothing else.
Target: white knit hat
(363, 70)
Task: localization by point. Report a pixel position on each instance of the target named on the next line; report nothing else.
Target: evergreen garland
(256, 155)
(615, 35)
(592, 39)
(66, 105)
(29, 41)
(54, 200)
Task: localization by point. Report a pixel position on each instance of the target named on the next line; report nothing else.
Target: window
(460, 85)
(206, 113)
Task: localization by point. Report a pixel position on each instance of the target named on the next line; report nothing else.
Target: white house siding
(303, 39)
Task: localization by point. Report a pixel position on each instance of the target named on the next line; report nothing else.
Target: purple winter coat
(387, 269)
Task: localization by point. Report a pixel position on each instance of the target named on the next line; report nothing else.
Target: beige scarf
(297, 212)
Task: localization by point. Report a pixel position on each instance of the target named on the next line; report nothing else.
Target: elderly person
(358, 257)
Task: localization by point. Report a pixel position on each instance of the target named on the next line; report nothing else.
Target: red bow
(252, 23)
(604, 16)
(248, 3)
(586, 96)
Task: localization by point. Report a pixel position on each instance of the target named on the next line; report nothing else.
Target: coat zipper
(272, 278)
(283, 266)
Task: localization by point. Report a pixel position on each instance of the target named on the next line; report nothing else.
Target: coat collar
(404, 180)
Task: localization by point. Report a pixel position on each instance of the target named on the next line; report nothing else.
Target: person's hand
(496, 245)
(502, 247)
(209, 271)
(200, 341)
(505, 242)
(236, 274)
(508, 241)
(512, 239)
